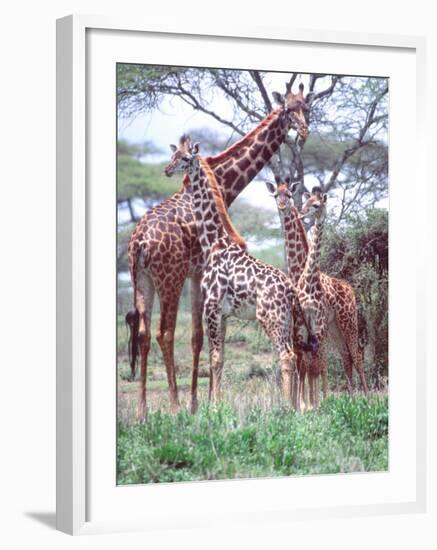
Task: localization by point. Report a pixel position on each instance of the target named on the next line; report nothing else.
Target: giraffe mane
(220, 204)
(244, 140)
(185, 183)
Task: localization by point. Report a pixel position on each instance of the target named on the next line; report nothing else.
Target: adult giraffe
(164, 249)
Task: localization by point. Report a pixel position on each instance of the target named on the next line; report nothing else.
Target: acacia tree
(347, 147)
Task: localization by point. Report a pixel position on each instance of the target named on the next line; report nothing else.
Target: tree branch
(221, 84)
(359, 142)
(189, 98)
(311, 96)
(258, 81)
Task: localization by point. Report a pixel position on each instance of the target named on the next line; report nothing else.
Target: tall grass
(238, 440)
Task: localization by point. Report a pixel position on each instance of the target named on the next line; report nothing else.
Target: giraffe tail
(132, 320)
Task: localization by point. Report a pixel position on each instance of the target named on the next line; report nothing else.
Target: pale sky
(166, 125)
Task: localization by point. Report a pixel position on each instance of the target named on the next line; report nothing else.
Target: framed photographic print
(239, 327)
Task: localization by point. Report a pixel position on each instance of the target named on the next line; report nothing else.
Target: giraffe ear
(324, 198)
(173, 147)
(195, 148)
(294, 186)
(279, 98)
(271, 188)
(306, 195)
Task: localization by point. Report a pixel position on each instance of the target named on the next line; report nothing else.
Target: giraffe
(296, 251)
(233, 282)
(164, 250)
(328, 306)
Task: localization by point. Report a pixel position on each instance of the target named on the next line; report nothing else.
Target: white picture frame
(74, 390)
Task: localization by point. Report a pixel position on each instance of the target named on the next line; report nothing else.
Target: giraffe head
(295, 110)
(282, 192)
(184, 158)
(315, 205)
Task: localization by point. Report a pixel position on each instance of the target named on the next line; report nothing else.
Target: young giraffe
(342, 320)
(233, 282)
(164, 249)
(327, 304)
(296, 252)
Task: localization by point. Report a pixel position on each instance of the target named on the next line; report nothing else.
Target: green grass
(347, 434)
(252, 433)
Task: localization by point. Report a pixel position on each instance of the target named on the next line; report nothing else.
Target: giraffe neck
(295, 243)
(311, 273)
(235, 167)
(212, 220)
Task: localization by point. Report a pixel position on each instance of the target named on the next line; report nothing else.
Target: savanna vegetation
(253, 433)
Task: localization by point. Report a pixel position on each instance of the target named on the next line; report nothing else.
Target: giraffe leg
(325, 388)
(165, 338)
(358, 364)
(354, 360)
(316, 392)
(311, 388)
(299, 339)
(313, 378)
(295, 385)
(338, 330)
(346, 330)
(286, 377)
(277, 330)
(302, 390)
(347, 367)
(216, 333)
(305, 390)
(145, 291)
(347, 361)
(301, 370)
(322, 357)
(306, 377)
(196, 337)
(317, 365)
(289, 375)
